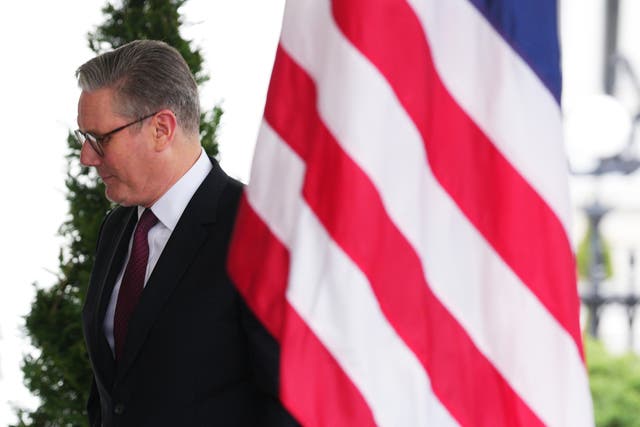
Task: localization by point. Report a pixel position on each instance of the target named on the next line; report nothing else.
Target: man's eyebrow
(91, 131)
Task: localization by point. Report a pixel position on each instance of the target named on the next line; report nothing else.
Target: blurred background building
(601, 103)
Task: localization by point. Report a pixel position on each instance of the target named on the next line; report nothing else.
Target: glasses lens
(94, 144)
(79, 136)
(83, 137)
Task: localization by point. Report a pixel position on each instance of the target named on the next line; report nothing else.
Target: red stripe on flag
(259, 266)
(319, 391)
(349, 207)
(313, 387)
(502, 205)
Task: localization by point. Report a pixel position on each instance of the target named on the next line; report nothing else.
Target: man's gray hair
(147, 76)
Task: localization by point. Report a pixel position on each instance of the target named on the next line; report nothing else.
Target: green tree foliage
(615, 386)
(58, 370)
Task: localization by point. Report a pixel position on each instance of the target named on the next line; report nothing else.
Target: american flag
(405, 232)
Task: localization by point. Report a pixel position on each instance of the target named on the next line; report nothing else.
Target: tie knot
(146, 221)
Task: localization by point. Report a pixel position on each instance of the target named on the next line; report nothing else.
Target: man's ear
(164, 125)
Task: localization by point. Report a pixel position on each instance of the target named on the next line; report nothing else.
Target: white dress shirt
(168, 209)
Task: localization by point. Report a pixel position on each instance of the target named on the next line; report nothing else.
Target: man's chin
(114, 197)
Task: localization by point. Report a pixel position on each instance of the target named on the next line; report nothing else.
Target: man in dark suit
(171, 342)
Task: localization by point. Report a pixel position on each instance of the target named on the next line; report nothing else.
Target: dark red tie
(132, 280)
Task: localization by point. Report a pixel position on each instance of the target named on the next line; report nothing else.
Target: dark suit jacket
(194, 354)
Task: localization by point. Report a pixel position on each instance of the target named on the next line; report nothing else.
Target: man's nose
(88, 156)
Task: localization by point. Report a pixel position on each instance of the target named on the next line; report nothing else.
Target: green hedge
(615, 386)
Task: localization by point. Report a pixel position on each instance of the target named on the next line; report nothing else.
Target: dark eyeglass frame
(97, 142)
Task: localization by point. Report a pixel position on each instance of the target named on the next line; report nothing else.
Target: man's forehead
(95, 108)
(99, 98)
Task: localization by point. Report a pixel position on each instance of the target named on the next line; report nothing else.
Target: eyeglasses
(97, 142)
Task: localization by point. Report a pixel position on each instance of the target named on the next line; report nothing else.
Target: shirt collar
(168, 208)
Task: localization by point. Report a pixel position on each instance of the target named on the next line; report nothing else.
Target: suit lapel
(190, 234)
(118, 251)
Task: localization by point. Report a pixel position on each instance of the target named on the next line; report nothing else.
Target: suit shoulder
(231, 191)
(234, 186)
